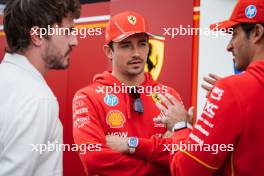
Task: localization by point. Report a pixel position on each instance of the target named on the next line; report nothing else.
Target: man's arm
(35, 123)
(88, 130)
(216, 132)
(155, 149)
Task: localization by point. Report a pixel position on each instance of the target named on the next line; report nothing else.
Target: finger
(108, 137)
(191, 111)
(191, 115)
(207, 87)
(173, 99)
(161, 107)
(209, 80)
(165, 100)
(159, 119)
(215, 77)
(168, 134)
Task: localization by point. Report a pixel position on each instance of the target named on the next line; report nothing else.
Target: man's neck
(259, 53)
(130, 80)
(36, 61)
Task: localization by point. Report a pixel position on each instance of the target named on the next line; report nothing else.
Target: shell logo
(115, 119)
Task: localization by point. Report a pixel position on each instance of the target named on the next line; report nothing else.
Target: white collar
(22, 62)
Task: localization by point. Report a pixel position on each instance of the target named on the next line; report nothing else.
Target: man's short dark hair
(111, 45)
(21, 15)
(248, 27)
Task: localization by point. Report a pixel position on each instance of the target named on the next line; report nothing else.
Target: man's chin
(135, 72)
(60, 66)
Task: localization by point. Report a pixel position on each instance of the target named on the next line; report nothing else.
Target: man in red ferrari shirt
(229, 131)
(118, 108)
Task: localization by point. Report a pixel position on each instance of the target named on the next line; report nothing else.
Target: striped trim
(199, 161)
(92, 25)
(196, 9)
(92, 19)
(158, 37)
(196, 17)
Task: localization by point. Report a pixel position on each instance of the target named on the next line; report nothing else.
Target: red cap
(245, 11)
(124, 25)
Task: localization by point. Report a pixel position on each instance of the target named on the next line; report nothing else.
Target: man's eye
(124, 46)
(143, 43)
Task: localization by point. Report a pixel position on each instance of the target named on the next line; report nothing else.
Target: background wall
(213, 57)
(88, 58)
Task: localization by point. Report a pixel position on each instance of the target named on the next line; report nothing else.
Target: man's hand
(173, 111)
(210, 81)
(167, 134)
(117, 143)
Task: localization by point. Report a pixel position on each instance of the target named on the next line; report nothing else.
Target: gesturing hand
(209, 82)
(172, 111)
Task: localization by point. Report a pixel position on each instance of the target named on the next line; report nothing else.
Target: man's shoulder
(89, 90)
(242, 87)
(22, 83)
(240, 81)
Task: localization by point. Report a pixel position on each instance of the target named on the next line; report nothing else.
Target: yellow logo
(132, 19)
(115, 119)
(156, 57)
(155, 97)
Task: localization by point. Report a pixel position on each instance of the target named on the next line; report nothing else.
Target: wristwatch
(132, 144)
(181, 125)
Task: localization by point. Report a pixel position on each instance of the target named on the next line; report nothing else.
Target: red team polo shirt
(233, 116)
(97, 114)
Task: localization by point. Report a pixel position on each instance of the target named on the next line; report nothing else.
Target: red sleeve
(156, 149)
(99, 159)
(213, 137)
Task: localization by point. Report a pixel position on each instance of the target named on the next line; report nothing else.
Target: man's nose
(229, 47)
(136, 52)
(73, 40)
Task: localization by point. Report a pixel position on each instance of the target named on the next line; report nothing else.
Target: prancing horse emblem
(132, 19)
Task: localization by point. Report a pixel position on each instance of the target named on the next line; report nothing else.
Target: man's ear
(108, 51)
(36, 36)
(258, 33)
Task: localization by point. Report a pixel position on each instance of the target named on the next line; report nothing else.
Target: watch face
(179, 125)
(133, 142)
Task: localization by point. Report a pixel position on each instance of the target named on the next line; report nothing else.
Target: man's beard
(56, 64)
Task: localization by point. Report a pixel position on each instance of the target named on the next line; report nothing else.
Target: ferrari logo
(155, 97)
(156, 57)
(132, 19)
